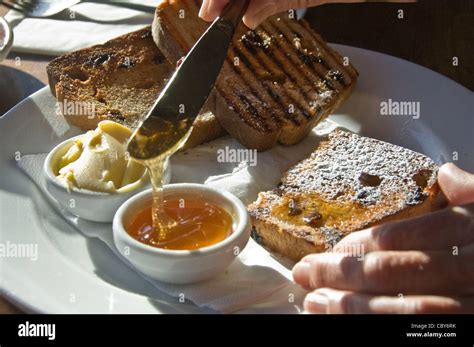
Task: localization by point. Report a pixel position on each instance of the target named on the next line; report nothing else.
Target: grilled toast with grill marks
(278, 82)
(349, 183)
(121, 79)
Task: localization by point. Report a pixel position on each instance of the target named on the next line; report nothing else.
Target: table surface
(430, 34)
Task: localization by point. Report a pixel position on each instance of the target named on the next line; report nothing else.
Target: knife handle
(234, 11)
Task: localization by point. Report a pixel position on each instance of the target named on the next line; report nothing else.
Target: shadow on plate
(15, 86)
(110, 269)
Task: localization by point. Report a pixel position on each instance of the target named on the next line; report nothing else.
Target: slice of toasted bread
(121, 79)
(278, 82)
(348, 183)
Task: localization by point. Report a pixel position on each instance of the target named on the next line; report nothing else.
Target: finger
(456, 184)
(203, 12)
(388, 272)
(210, 9)
(328, 300)
(259, 10)
(445, 230)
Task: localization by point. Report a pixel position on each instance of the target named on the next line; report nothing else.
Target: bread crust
(121, 79)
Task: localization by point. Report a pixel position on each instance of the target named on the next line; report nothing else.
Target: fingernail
(253, 21)
(301, 270)
(316, 303)
(456, 184)
(203, 10)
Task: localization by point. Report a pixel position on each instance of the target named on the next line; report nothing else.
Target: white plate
(75, 274)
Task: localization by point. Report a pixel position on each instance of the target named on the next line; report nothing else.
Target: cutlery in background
(6, 38)
(41, 8)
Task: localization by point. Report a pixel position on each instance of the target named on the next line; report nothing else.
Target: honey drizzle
(161, 221)
(156, 169)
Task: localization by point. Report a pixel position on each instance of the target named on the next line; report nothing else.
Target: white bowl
(183, 266)
(87, 204)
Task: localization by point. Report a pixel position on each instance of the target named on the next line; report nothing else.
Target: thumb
(210, 9)
(456, 184)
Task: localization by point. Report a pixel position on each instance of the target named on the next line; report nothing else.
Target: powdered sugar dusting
(362, 169)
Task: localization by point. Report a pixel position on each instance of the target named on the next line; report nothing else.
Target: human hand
(259, 10)
(419, 265)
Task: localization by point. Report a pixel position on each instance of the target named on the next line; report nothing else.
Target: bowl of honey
(186, 234)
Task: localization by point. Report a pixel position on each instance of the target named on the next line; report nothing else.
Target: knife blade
(168, 123)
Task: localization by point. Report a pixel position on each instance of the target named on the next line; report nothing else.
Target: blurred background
(431, 33)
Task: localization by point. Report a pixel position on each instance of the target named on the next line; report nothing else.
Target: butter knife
(165, 128)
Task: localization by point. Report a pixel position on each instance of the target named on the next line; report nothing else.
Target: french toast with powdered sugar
(348, 183)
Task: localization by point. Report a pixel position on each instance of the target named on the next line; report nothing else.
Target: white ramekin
(182, 266)
(90, 205)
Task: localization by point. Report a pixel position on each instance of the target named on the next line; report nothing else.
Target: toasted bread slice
(121, 79)
(278, 82)
(349, 183)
